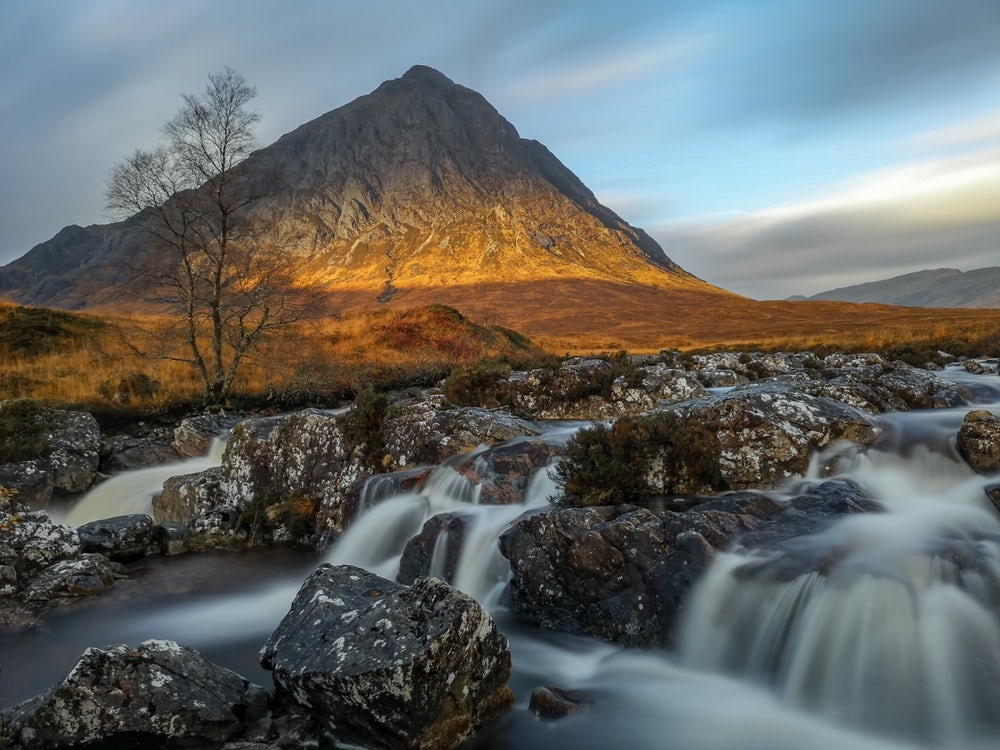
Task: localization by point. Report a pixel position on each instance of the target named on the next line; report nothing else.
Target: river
(897, 645)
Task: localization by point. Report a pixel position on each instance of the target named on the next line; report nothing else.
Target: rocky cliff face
(420, 184)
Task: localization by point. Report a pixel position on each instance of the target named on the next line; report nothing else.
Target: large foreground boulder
(156, 695)
(384, 665)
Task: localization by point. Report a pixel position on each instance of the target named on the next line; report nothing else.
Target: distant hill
(942, 287)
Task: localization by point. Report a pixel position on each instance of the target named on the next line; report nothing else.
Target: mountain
(942, 287)
(420, 191)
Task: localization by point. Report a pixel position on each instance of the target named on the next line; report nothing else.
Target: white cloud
(616, 69)
(983, 130)
(924, 214)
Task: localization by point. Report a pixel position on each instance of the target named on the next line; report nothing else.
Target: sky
(772, 147)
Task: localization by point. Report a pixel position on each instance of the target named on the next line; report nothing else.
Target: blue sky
(773, 147)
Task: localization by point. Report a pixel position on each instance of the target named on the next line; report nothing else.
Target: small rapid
(884, 636)
(133, 491)
(894, 630)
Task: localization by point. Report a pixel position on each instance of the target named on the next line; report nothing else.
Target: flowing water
(892, 642)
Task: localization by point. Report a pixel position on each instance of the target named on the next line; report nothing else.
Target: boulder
(978, 441)
(129, 452)
(75, 443)
(156, 695)
(623, 573)
(84, 575)
(68, 465)
(430, 431)
(768, 431)
(41, 560)
(889, 386)
(590, 389)
(118, 538)
(194, 435)
(384, 665)
(303, 457)
(188, 495)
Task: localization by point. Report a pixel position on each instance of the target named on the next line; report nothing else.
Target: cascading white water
(376, 539)
(890, 643)
(895, 630)
(133, 491)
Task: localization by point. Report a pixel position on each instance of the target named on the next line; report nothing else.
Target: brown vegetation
(320, 361)
(64, 358)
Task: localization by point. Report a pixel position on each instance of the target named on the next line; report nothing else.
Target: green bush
(638, 457)
(24, 427)
(478, 385)
(363, 426)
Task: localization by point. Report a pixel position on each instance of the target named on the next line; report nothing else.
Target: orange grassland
(352, 344)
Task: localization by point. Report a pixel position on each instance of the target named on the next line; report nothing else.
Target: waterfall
(133, 491)
(895, 631)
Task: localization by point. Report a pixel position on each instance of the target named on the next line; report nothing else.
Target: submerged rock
(156, 695)
(555, 703)
(384, 665)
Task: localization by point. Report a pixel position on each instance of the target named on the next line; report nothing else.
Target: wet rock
(129, 452)
(170, 538)
(502, 473)
(156, 695)
(443, 534)
(221, 520)
(555, 703)
(978, 441)
(119, 538)
(623, 573)
(767, 433)
(188, 495)
(429, 433)
(304, 456)
(384, 665)
(993, 493)
(194, 435)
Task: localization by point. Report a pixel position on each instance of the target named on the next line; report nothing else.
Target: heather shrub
(24, 425)
(634, 458)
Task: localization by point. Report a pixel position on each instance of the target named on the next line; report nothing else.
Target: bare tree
(225, 272)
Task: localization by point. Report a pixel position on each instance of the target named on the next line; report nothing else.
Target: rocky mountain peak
(420, 184)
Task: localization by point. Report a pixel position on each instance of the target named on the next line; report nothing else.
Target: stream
(896, 645)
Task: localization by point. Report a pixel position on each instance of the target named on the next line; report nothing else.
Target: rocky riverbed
(418, 663)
